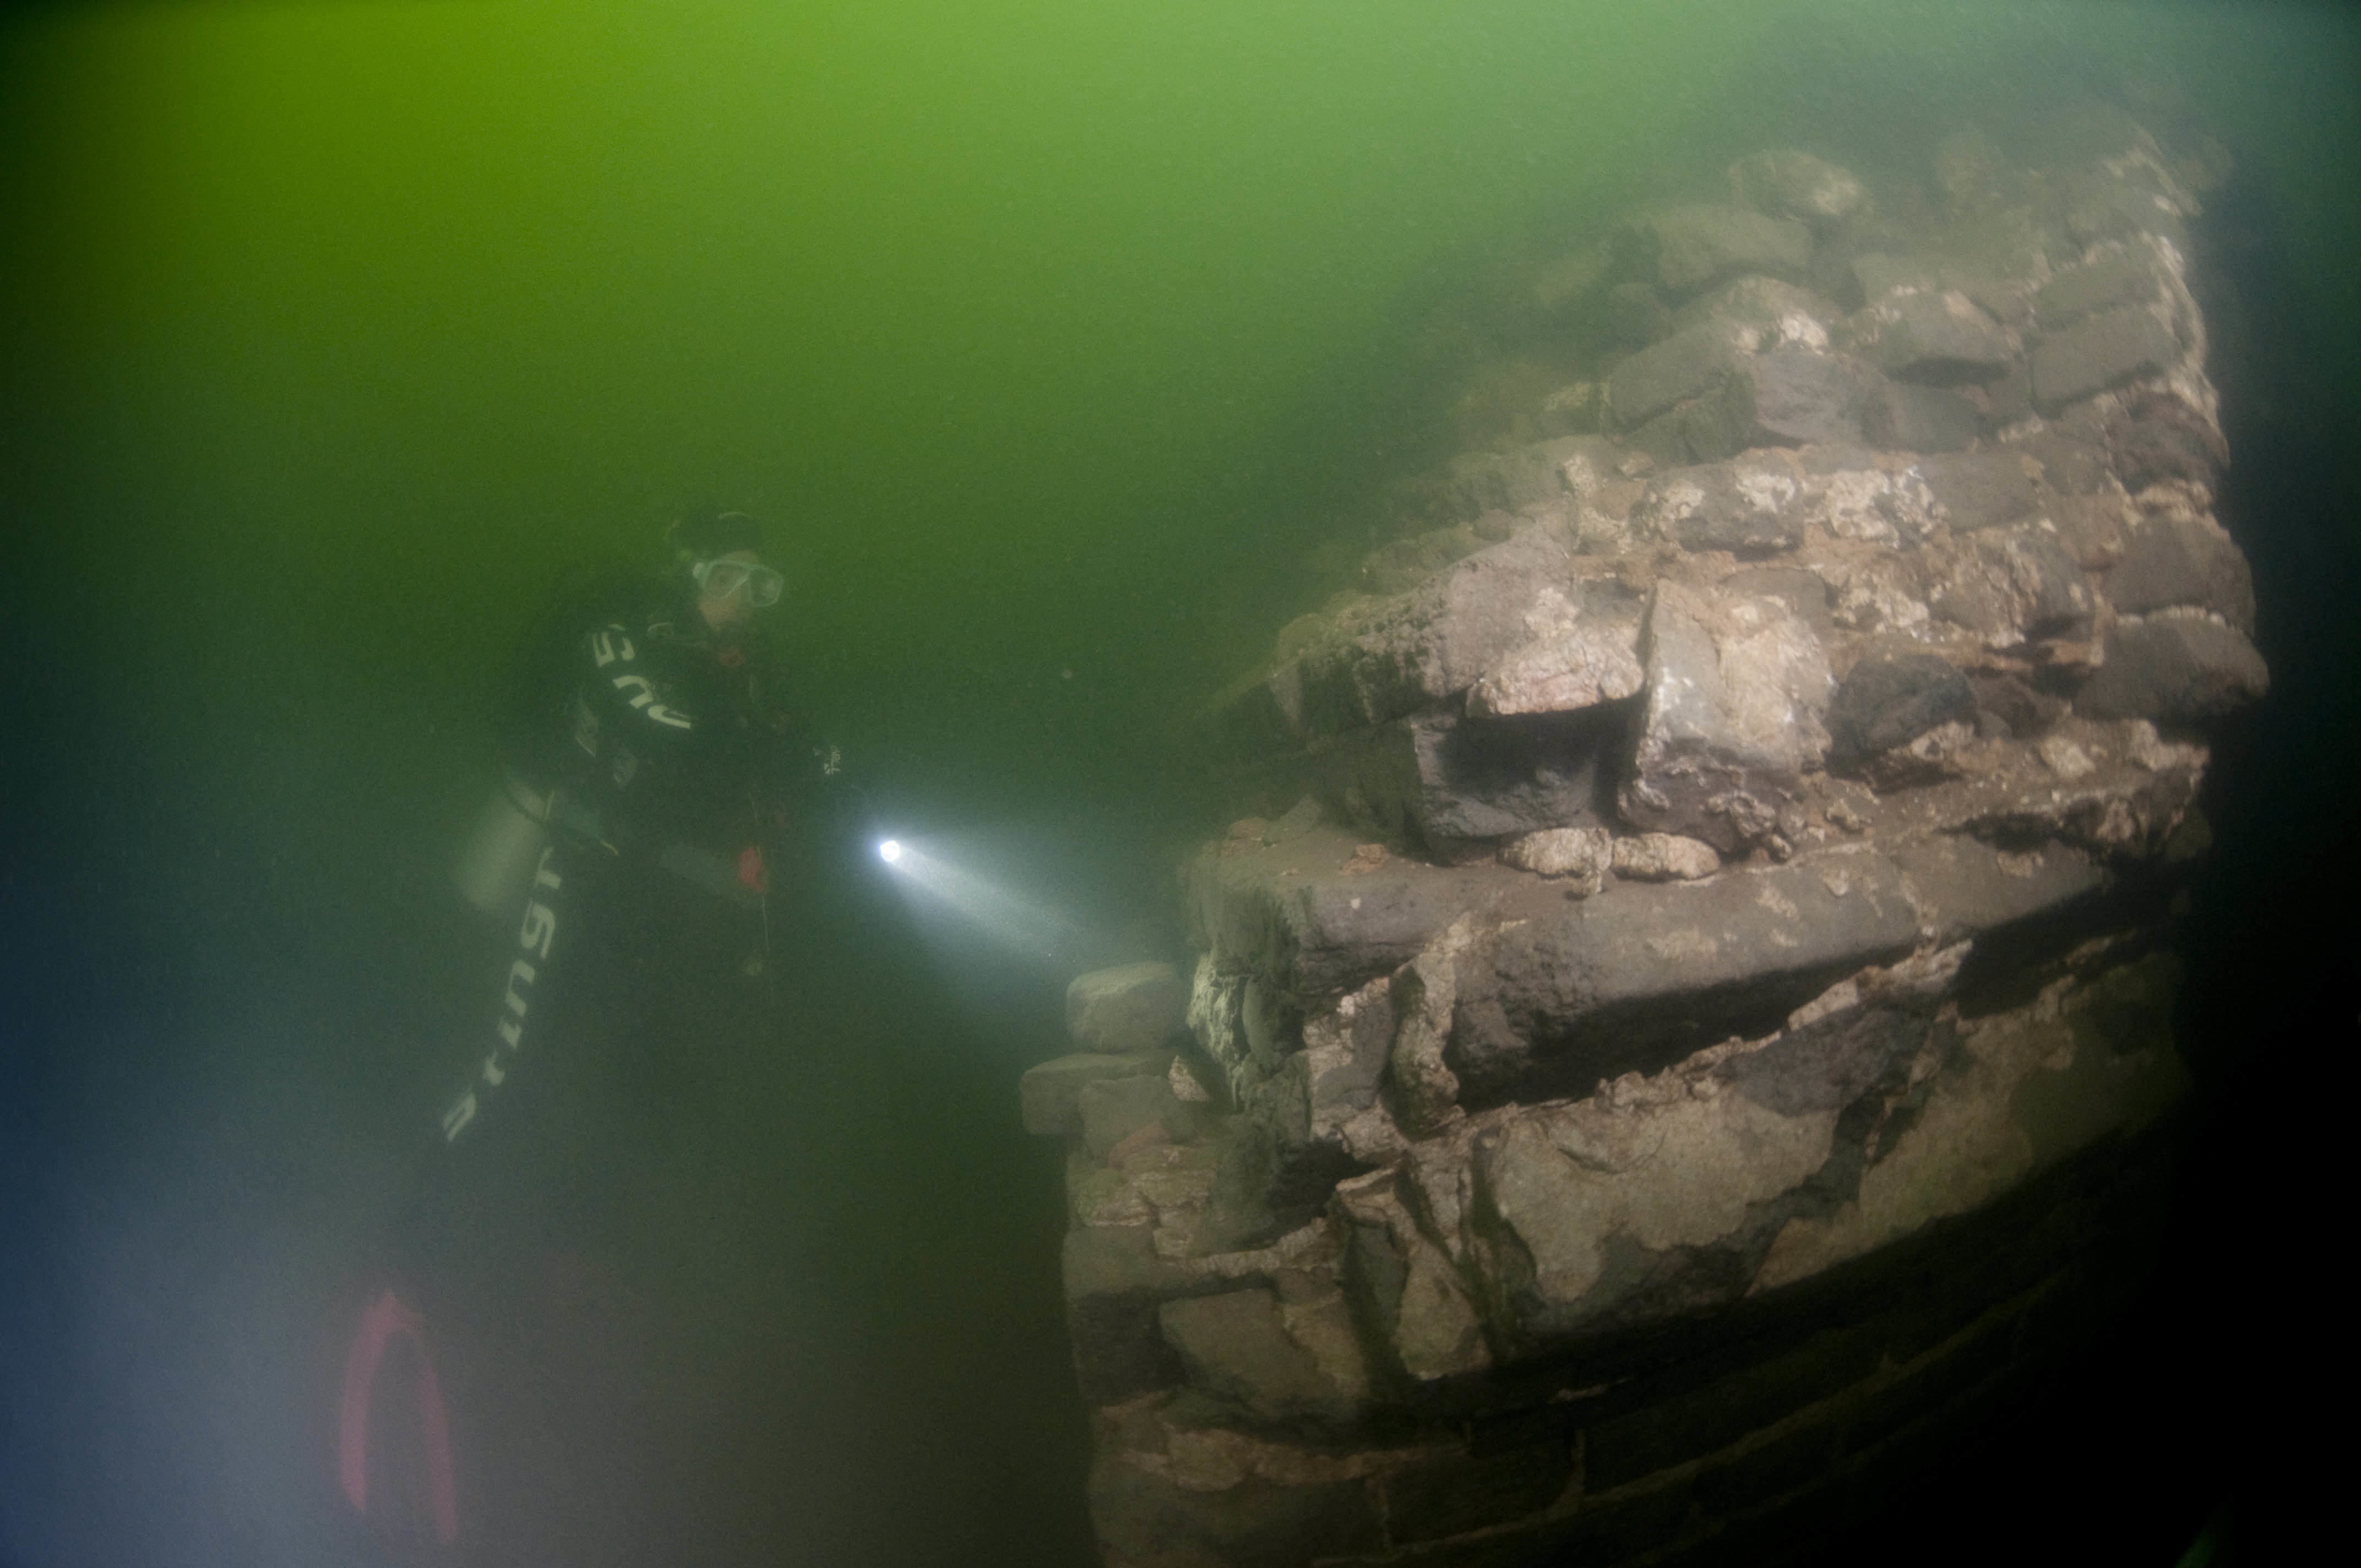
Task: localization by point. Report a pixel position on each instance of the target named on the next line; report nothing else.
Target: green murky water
(1051, 337)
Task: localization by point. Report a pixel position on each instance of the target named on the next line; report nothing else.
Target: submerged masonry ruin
(1687, 1031)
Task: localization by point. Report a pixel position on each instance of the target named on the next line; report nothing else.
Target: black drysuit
(664, 761)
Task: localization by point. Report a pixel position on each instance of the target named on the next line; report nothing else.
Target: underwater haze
(1050, 340)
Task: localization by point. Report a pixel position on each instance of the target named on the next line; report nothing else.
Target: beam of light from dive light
(994, 910)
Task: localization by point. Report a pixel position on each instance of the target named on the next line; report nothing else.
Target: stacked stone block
(1698, 1033)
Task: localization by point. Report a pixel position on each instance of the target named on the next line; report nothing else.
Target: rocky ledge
(1695, 1015)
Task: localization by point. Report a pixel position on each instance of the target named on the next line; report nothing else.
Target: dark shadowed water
(1050, 338)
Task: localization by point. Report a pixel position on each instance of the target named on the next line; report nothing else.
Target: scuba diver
(649, 769)
(646, 739)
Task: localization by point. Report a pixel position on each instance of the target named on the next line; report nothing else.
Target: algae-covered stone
(1344, 1050)
(1112, 1109)
(2012, 586)
(1402, 654)
(1979, 489)
(1902, 416)
(1211, 1498)
(1615, 1207)
(1965, 888)
(1302, 918)
(1773, 313)
(2122, 279)
(1521, 480)
(1789, 397)
(1113, 1282)
(1447, 784)
(2160, 437)
(1420, 1085)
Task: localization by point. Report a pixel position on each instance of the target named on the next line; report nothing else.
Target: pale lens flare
(889, 852)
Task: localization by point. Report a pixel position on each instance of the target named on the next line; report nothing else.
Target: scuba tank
(496, 862)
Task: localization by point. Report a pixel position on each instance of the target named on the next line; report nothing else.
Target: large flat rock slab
(1643, 974)
(1597, 1212)
(1320, 916)
(1965, 888)
(2026, 1090)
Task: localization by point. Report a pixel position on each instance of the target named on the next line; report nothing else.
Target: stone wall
(1690, 1029)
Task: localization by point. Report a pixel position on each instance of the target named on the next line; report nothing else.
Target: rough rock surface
(1645, 974)
(1444, 782)
(1891, 700)
(1898, 416)
(1124, 1010)
(1579, 650)
(1681, 250)
(1791, 397)
(1053, 1091)
(1737, 685)
(2180, 560)
(1412, 651)
(1787, 183)
(2181, 669)
(1940, 337)
(1687, 364)
(2103, 351)
(1696, 985)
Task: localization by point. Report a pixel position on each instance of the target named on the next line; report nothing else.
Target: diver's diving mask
(720, 579)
